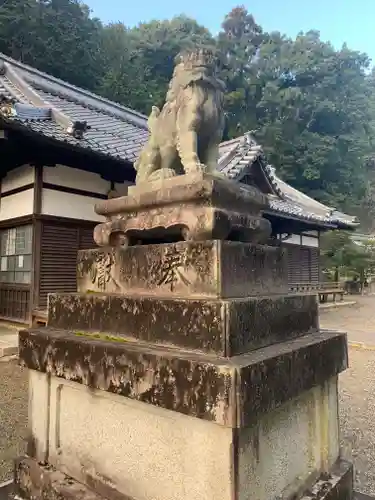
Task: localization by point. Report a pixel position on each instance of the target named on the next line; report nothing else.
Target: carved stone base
(187, 207)
(206, 269)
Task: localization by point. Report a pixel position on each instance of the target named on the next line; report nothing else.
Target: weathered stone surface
(171, 148)
(280, 372)
(214, 190)
(255, 323)
(247, 270)
(185, 323)
(224, 327)
(230, 392)
(337, 484)
(197, 207)
(153, 453)
(34, 481)
(211, 449)
(7, 490)
(215, 269)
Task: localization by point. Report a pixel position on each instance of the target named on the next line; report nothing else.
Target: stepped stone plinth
(183, 370)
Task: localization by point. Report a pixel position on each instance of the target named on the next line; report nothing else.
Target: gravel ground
(357, 387)
(357, 409)
(13, 415)
(357, 320)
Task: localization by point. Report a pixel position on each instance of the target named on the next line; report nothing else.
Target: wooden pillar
(37, 237)
(319, 257)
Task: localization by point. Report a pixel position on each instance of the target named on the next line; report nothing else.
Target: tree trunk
(337, 274)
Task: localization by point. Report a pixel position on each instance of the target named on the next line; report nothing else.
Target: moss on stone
(100, 336)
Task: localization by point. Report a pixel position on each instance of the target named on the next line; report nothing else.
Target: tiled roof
(236, 158)
(63, 112)
(53, 108)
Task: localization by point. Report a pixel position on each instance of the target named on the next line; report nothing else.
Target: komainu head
(193, 66)
(202, 59)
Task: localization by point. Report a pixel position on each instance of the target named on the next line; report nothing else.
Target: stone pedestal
(183, 370)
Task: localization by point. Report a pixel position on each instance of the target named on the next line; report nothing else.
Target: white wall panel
(122, 188)
(69, 205)
(17, 205)
(297, 239)
(74, 178)
(20, 176)
(311, 233)
(293, 239)
(309, 241)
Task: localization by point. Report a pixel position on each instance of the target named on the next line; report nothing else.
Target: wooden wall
(60, 242)
(303, 265)
(58, 203)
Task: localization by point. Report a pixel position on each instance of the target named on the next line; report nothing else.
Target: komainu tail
(144, 157)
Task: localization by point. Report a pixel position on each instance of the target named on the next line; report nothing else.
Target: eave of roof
(236, 158)
(60, 111)
(60, 87)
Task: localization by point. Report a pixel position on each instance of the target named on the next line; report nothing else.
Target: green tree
(342, 254)
(307, 103)
(144, 58)
(17, 27)
(55, 36)
(238, 45)
(313, 116)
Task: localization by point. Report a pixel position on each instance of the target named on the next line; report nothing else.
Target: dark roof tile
(237, 156)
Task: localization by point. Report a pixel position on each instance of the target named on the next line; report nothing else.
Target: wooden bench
(323, 290)
(324, 294)
(330, 288)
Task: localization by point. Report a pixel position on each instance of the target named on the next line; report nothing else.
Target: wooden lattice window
(15, 255)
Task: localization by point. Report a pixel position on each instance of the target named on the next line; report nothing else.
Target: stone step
(9, 344)
(6, 490)
(228, 391)
(34, 481)
(224, 327)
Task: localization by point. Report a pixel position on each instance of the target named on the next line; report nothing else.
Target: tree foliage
(143, 59)
(312, 106)
(56, 36)
(342, 255)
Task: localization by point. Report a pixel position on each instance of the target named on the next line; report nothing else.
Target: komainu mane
(185, 134)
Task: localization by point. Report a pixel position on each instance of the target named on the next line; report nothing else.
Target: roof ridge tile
(86, 93)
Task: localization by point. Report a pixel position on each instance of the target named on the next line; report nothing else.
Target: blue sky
(351, 21)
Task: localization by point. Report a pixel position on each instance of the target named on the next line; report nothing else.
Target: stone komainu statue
(186, 133)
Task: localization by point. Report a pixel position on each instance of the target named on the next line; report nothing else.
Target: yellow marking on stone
(101, 336)
(362, 346)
